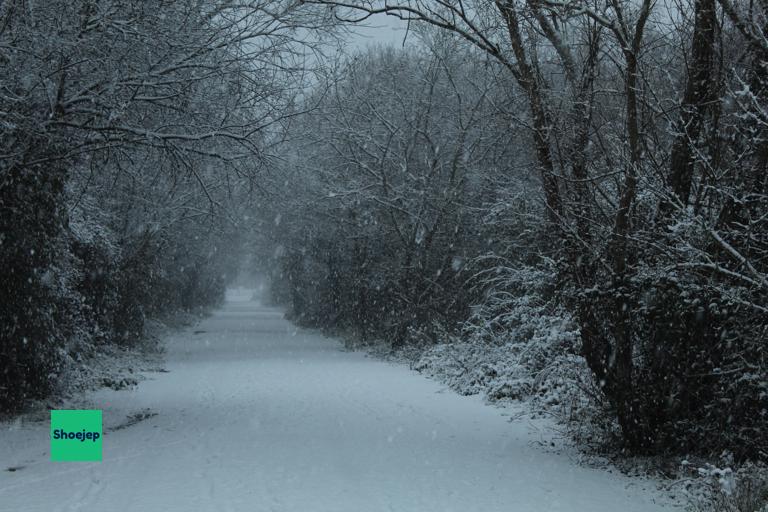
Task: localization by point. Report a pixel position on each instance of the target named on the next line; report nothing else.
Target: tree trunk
(541, 121)
(700, 92)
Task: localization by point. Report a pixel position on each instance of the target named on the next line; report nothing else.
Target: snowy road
(257, 416)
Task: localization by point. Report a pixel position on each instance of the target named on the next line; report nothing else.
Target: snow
(257, 415)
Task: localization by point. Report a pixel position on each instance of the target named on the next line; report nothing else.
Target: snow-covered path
(255, 415)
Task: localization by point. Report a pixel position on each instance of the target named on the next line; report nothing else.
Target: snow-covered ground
(257, 415)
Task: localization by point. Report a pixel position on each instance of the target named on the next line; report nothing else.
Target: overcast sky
(380, 29)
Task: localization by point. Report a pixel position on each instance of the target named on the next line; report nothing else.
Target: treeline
(378, 211)
(130, 133)
(602, 162)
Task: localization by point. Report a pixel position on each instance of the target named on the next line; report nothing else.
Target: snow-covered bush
(698, 373)
(474, 367)
(36, 298)
(723, 489)
(517, 344)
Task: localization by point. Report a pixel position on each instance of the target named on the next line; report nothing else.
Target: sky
(379, 29)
